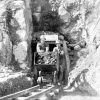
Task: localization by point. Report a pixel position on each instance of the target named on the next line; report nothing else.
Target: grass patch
(14, 84)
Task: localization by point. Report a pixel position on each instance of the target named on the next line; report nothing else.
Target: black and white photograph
(49, 50)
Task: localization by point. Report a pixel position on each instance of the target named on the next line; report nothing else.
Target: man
(42, 47)
(42, 50)
(59, 50)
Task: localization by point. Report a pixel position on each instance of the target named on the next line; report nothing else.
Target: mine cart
(48, 63)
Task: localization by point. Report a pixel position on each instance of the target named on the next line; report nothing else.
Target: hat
(58, 42)
(61, 37)
(42, 37)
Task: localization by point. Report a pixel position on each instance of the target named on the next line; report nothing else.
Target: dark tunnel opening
(49, 21)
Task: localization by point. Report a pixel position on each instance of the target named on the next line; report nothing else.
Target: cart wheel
(55, 77)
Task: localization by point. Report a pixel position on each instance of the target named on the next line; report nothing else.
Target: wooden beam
(66, 55)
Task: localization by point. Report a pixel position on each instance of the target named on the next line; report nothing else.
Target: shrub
(14, 85)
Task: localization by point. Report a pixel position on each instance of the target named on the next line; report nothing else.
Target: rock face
(64, 14)
(15, 35)
(93, 24)
(91, 34)
(20, 48)
(5, 44)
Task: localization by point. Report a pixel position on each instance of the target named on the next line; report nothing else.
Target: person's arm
(38, 48)
(54, 49)
(47, 49)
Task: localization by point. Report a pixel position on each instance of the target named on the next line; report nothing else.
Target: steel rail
(33, 93)
(37, 95)
(20, 93)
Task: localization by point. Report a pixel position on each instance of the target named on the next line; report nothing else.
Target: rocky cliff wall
(15, 33)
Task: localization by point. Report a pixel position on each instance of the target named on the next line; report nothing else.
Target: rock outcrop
(84, 24)
(15, 33)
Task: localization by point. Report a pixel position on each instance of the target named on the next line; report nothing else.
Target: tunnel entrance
(49, 22)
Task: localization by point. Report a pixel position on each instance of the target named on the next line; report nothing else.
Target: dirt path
(78, 95)
(79, 98)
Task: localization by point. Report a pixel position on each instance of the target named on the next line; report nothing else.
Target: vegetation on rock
(14, 84)
(77, 20)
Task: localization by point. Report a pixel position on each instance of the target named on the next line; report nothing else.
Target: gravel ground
(78, 95)
(71, 96)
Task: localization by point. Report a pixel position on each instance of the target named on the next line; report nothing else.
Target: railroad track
(32, 93)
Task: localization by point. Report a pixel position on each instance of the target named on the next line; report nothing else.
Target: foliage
(6, 52)
(15, 63)
(12, 26)
(55, 4)
(3, 55)
(14, 85)
(50, 21)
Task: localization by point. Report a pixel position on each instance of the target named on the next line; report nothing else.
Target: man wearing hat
(59, 50)
(42, 50)
(42, 47)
